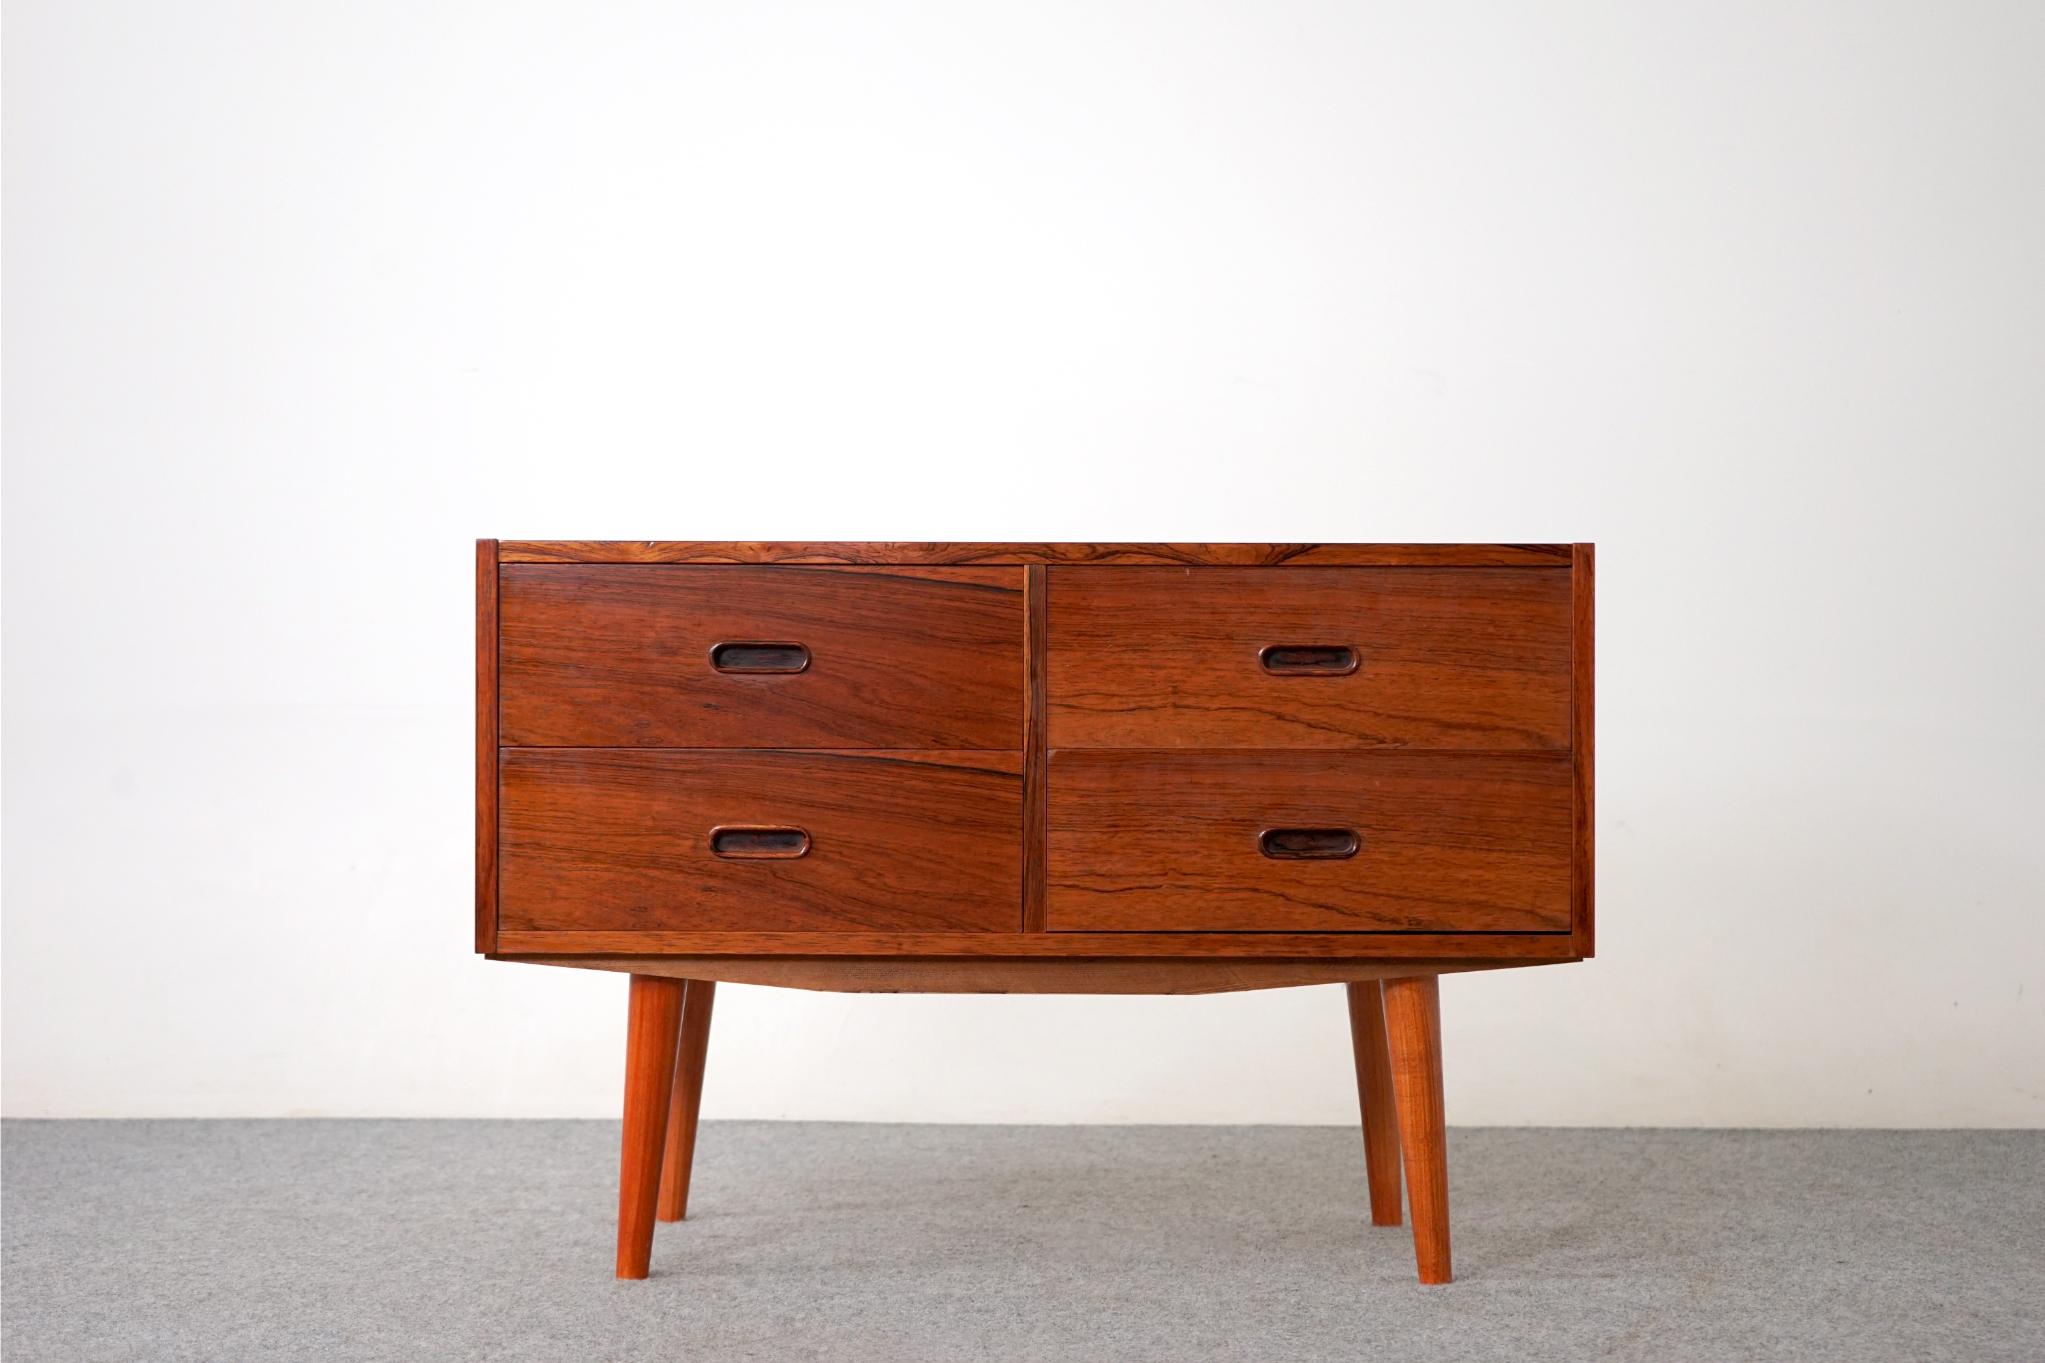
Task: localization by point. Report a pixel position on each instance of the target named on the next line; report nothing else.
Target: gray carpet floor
(492, 1240)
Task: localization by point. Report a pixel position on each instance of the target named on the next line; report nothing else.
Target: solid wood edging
(1583, 671)
(1007, 554)
(486, 745)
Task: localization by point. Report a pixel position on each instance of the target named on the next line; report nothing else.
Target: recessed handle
(1309, 844)
(750, 658)
(1308, 660)
(758, 841)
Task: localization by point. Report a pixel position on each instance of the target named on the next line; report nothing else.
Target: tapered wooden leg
(1413, 1028)
(1374, 1096)
(688, 1099)
(654, 1016)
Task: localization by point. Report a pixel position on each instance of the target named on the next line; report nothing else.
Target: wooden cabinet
(1129, 768)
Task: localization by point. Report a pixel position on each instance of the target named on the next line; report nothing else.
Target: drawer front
(1308, 842)
(1471, 658)
(628, 840)
(748, 657)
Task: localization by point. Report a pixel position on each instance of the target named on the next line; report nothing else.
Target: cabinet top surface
(1186, 555)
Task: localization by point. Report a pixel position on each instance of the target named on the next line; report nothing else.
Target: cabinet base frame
(1039, 975)
(1398, 1071)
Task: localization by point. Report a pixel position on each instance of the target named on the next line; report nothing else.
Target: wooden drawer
(614, 655)
(622, 840)
(1254, 842)
(1300, 657)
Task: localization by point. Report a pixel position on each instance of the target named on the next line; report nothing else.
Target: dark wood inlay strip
(1036, 796)
(1008, 554)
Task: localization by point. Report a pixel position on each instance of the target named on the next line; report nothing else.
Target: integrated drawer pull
(760, 658)
(1309, 844)
(758, 841)
(1308, 660)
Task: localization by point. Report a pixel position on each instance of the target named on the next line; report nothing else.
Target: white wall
(302, 298)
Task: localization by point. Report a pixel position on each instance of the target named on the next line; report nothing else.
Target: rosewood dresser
(1034, 768)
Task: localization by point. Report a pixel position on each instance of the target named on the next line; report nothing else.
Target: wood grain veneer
(1143, 841)
(1450, 658)
(900, 657)
(598, 839)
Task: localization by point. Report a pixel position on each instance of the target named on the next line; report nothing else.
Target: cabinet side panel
(1583, 865)
(486, 745)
